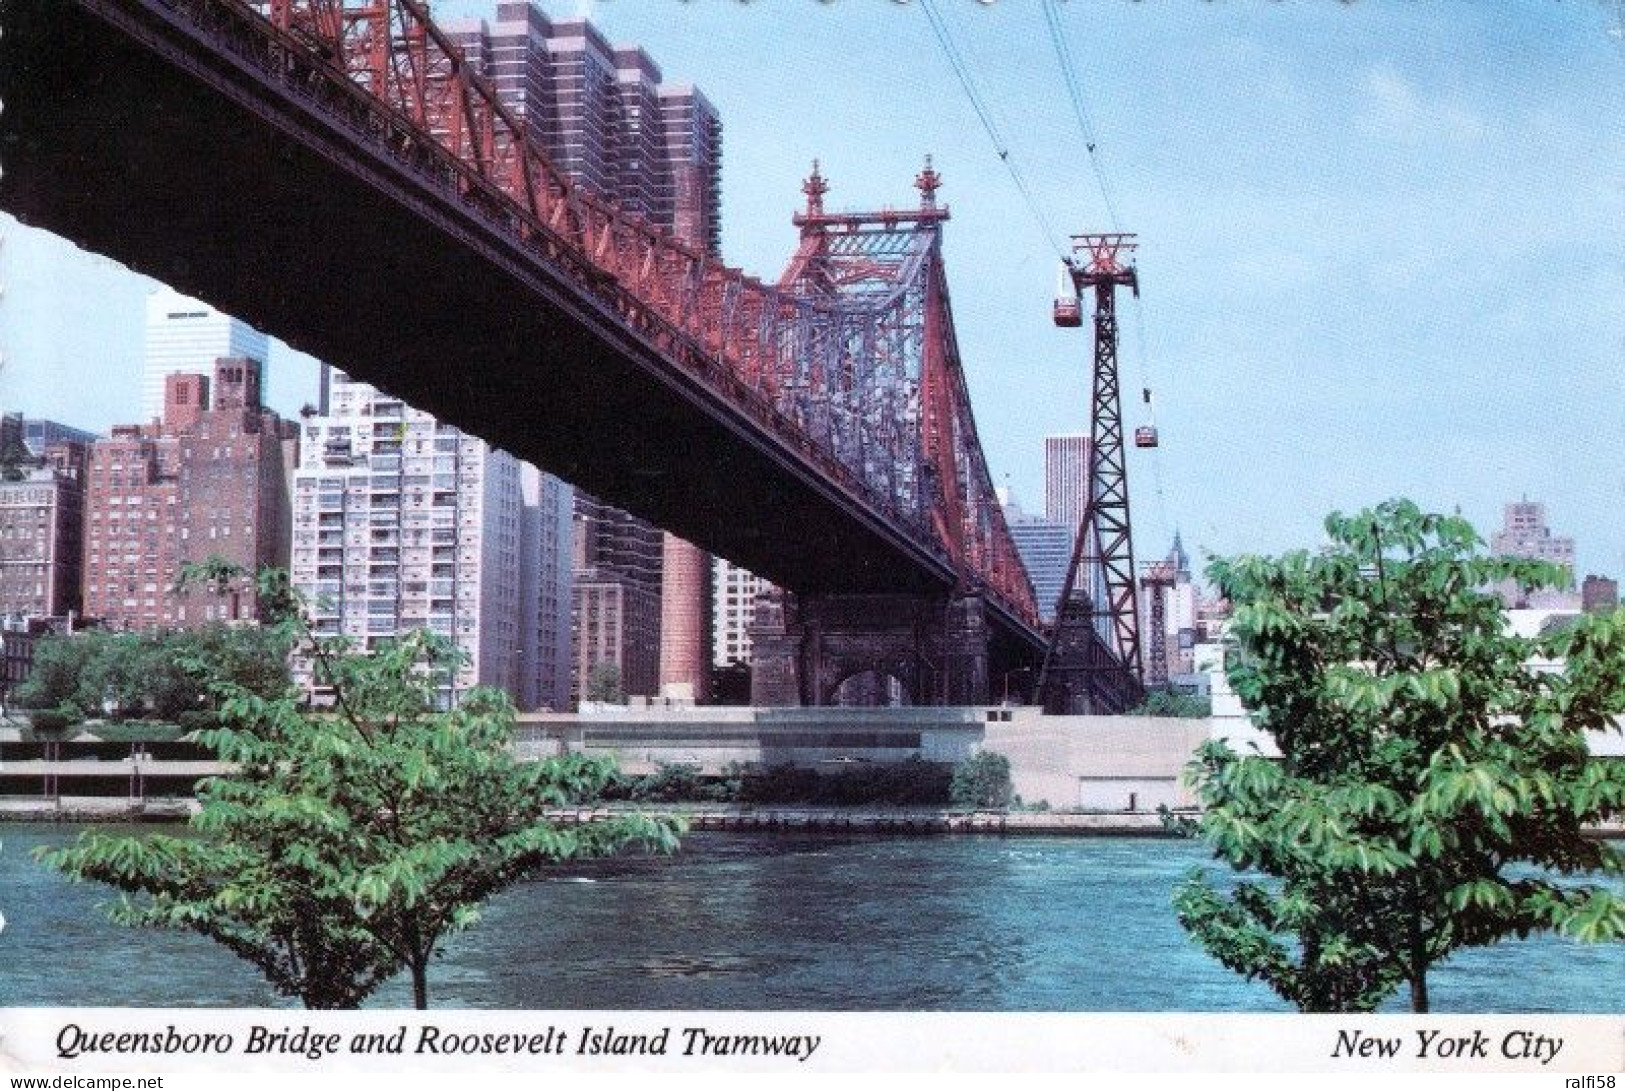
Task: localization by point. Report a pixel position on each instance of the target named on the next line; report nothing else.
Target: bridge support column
(965, 651)
(775, 647)
(869, 650)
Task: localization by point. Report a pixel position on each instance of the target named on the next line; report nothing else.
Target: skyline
(1447, 197)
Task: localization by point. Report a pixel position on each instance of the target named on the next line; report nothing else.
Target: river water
(779, 922)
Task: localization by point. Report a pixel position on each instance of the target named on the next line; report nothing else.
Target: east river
(779, 922)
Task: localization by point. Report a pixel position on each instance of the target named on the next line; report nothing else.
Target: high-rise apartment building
(617, 599)
(132, 529)
(207, 480)
(185, 335)
(690, 200)
(41, 522)
(1066, 479)
(734, 591)
(607, 121)
(402, 522)
(604, 115)
(547, 552)
(1524, 533)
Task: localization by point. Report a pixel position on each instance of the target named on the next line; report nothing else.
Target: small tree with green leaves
(1165, 702)
(604, 683)
(1424, 756)
(981, 781)
(351, 841)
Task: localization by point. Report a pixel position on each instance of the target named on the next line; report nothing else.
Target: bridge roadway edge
(79, 95)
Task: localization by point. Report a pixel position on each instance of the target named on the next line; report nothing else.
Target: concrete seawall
(895, 820)
(880, 821)
(862, 820)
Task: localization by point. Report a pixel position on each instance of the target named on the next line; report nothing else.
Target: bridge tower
(1093, 664)
(1158, 578)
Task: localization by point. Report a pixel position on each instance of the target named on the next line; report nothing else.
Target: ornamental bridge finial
(928, 181)
(815, 187)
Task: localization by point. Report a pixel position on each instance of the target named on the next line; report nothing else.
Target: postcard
(709, 537)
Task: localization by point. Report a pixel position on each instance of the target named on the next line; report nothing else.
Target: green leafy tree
(352, 841)
(1432, 785)
(604, 683)
(980, 781)
(1165, 702)
(162, 674)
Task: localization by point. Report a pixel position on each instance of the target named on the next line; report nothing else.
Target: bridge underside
(121, 134)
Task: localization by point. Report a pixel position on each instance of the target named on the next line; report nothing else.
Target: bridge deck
(135, 141)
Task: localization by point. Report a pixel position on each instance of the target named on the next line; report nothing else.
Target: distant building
(208, 479)
(185, 335)
(734, 591)
(1066, 479)
(604, 116)
(1181, 610)
(1599, 595)
(402, 522)
(616, 611)
(1524, 533)
(41, 434)
(1045, 546)
(41, 527)
(546, 550)
(690, 195)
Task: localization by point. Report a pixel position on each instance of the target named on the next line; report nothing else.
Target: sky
(1382, 244)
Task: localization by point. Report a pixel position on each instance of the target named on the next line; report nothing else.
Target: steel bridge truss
(849, 360)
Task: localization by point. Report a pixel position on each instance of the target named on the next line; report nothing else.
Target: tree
(1424, 766)
(981, 781)
(162, 674)
(1164, 702)
(604, 683)
(351, 842)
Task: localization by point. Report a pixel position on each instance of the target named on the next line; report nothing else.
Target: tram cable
(1080, 107)
(956, 61)
(1091, 142)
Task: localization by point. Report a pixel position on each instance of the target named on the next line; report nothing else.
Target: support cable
(1080, 107)
(956, 60)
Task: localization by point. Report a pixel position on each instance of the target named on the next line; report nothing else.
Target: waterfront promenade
(1076, 774)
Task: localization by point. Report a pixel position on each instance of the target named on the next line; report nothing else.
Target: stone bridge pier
(829, 649)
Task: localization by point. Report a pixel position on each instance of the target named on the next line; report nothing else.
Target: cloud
(1392, 108)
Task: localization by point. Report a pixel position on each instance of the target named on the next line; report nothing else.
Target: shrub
(982, 781)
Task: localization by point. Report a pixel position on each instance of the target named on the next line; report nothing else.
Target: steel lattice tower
(1157, 580)
(1093, 663)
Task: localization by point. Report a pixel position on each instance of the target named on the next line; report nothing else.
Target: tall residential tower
(607, 120)
(402, 522)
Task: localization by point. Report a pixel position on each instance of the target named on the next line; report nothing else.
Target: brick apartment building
(209, 479)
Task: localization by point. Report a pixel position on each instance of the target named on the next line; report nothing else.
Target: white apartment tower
(733, 605)
(402, 522)
(546, 548)
(184, 334)
(1066, 479)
